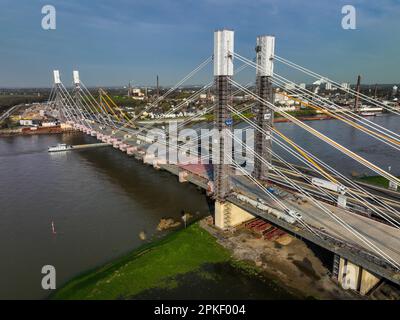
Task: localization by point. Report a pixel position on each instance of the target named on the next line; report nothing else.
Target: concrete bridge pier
(182, 176)
(351, 276)
(227, 215)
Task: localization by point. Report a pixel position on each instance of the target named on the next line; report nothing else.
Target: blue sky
(115, 41)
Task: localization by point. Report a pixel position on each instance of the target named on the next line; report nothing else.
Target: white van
(294, 214)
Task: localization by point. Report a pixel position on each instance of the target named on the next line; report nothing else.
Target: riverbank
(303, 115)
(23, 131)
(178, 265)
(158, 266)
(378, 181)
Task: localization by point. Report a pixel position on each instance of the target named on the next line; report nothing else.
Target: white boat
(369, 114)
(60, 147)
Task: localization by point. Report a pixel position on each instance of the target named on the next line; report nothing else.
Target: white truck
(260, 204)
(329, 185)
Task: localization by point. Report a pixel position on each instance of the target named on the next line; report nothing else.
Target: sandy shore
(288, 260)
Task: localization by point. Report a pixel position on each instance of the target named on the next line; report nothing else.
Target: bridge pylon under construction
(226, 214)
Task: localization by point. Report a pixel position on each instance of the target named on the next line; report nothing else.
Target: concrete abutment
(227, 215)
(353, 277)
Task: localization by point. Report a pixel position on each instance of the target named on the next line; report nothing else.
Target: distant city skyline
(114, 42)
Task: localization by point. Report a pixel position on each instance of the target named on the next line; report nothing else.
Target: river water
(100, 200)
(364, 145)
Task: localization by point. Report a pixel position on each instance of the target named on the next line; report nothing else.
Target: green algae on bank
(174, 267)
(147, 267)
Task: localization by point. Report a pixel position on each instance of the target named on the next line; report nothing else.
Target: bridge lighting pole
(265, 49)
(223, 70)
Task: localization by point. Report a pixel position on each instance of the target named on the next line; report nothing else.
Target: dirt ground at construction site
(287, 260)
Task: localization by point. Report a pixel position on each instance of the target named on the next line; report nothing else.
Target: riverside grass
(147, 267)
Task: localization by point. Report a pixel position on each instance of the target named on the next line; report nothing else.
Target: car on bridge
(294, 214)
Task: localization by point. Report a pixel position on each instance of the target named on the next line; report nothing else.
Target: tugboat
(60, 147)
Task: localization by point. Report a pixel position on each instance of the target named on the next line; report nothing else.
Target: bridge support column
(229, 215)
(58, 98)
(182, 176)
(264, 115)
(223, 71)
(222, 169)
(148, 158)
(354, 277)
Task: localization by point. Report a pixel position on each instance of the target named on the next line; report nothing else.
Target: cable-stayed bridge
(248, 177)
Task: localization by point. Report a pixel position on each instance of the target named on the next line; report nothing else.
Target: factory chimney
(356, 102)
(158, 88)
